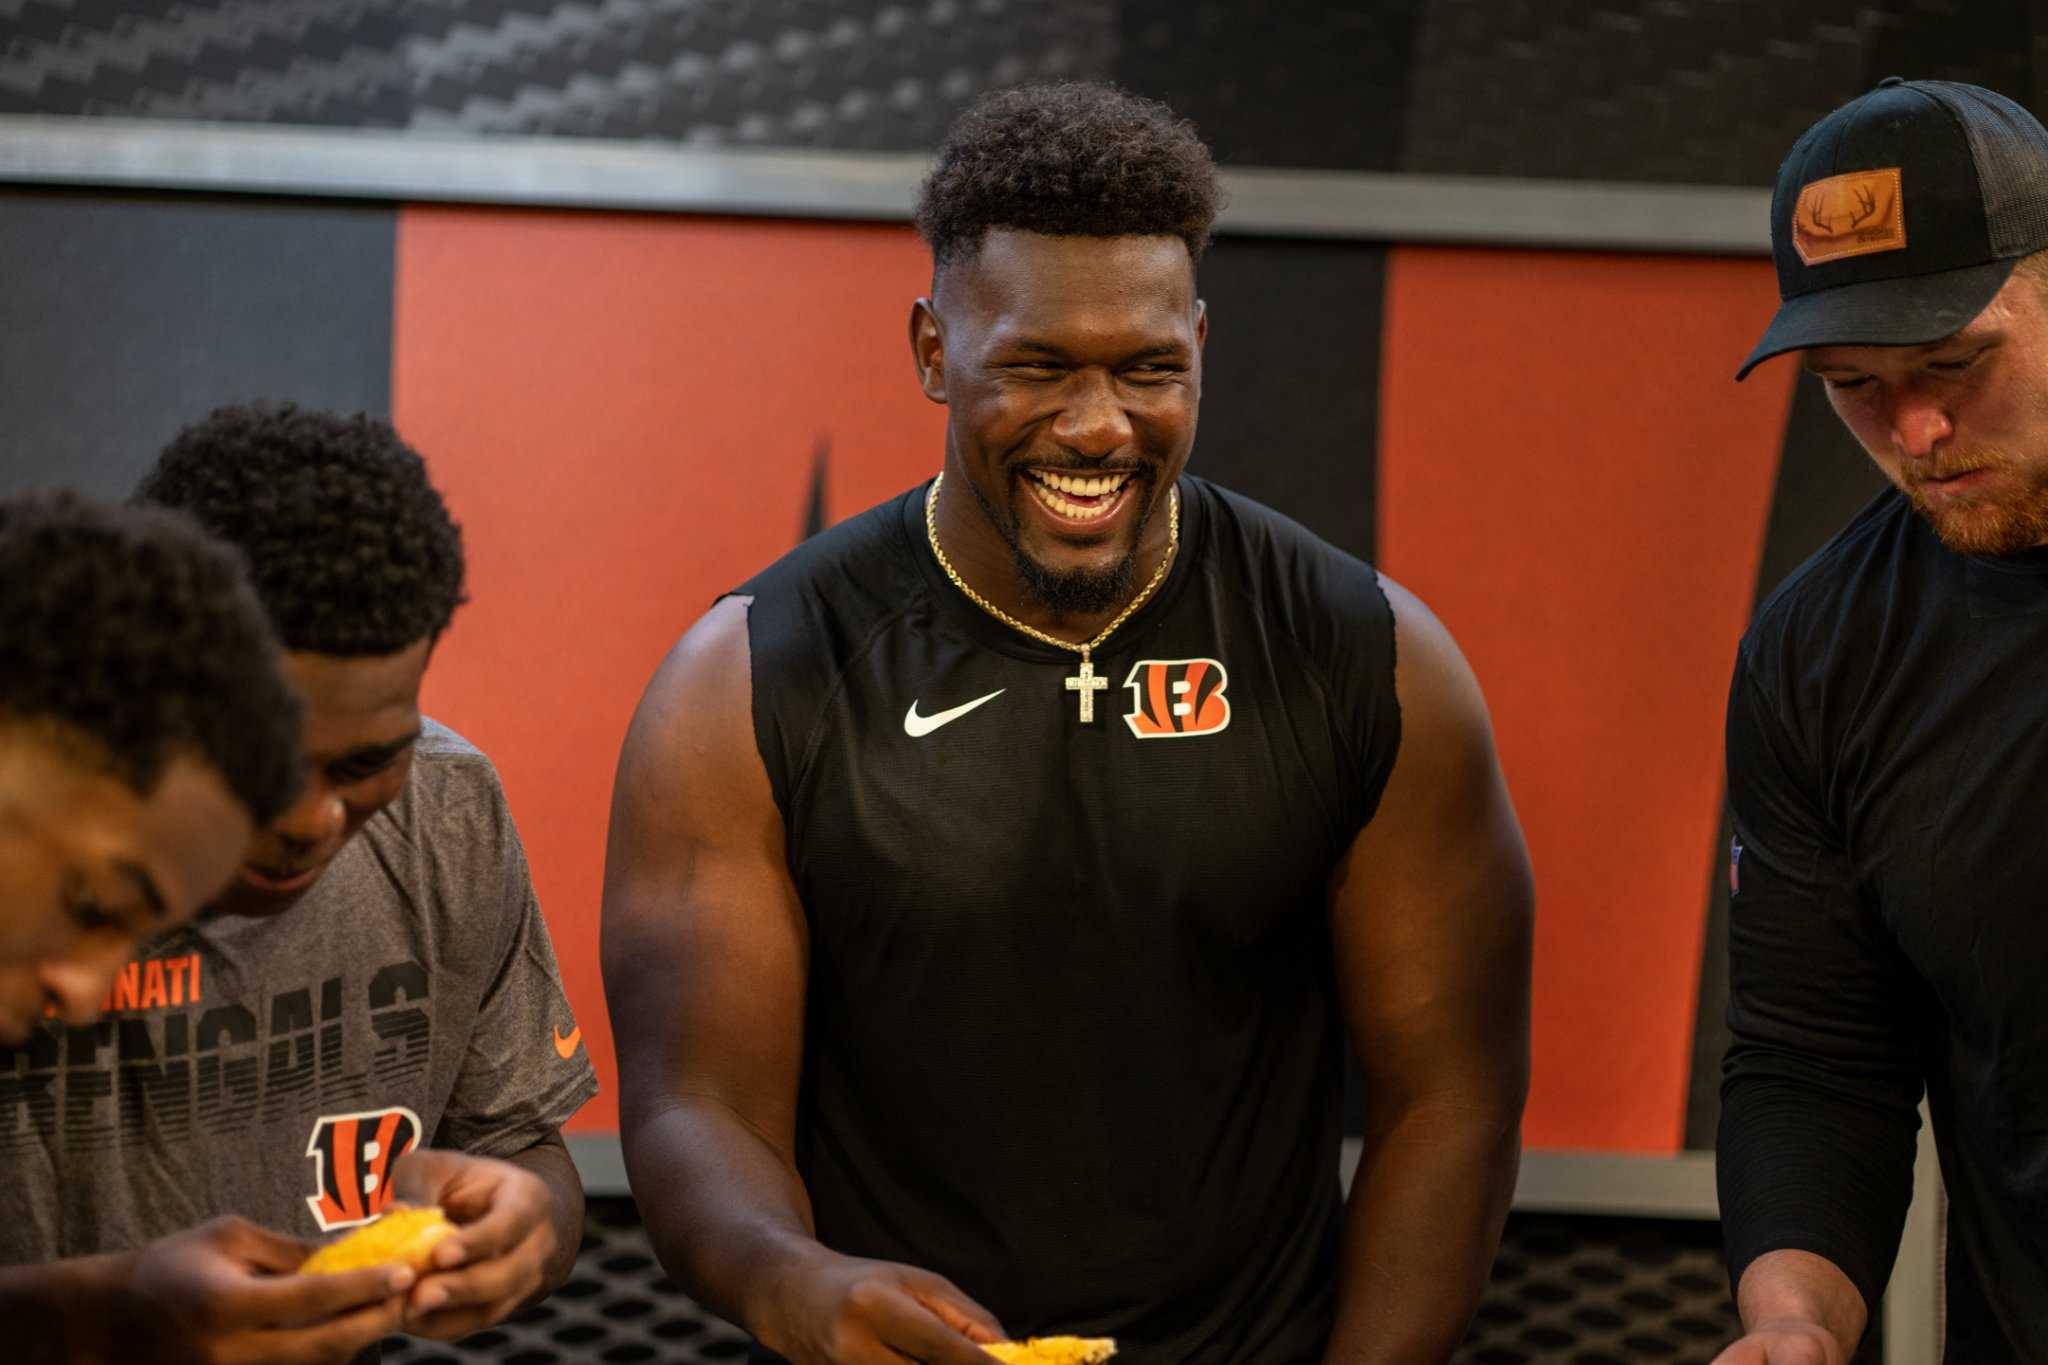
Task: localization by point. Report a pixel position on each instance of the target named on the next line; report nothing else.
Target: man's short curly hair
(1071, 159)
(138, 639)
(349, 545)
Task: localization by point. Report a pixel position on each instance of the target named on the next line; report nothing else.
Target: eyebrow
(1034, 348)
(146, 884)
(367, 752)
(1046, 348)
(1954, 340)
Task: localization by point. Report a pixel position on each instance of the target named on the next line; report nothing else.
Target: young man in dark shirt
(1887, 745)
(994, 879)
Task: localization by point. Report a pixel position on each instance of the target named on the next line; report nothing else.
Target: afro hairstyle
(349, 546)
(1068, 159)
(138, 638)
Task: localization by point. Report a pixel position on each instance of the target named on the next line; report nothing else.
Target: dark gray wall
(1290, 383)
(1708, 91)
(122, 317)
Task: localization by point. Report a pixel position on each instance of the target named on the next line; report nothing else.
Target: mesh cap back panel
(2011, 151)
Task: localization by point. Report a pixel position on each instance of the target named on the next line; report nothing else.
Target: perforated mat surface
(1565, 1291)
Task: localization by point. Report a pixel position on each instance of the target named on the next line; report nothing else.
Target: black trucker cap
(1900, 215)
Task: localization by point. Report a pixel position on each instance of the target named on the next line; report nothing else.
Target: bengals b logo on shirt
(1175, 698)
(352, 1159)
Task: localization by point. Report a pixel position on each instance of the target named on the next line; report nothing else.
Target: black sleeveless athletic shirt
(1072, 1036)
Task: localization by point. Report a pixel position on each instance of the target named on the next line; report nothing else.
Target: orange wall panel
(622, 412)
(1571, 478)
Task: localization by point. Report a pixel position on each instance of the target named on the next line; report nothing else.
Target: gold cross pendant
(1087, 684)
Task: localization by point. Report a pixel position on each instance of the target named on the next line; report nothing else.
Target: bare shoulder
(1443, 712)
(708, 667)
(689, 764)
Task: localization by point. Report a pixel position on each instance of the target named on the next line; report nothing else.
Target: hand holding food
(828, 1309)
(502, 1236)
(227, 1290)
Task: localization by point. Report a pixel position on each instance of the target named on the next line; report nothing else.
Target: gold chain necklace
(1085, 682)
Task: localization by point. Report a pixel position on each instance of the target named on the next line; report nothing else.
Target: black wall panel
(1290, 85)
(1290, 384)
(124, 317)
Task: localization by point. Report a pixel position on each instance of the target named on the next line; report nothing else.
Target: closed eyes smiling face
(1072, 374)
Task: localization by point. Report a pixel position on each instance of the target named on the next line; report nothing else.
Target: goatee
(1077, 592)
(1073, 592)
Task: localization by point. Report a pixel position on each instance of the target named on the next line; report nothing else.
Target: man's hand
(1799, 1309)
(497, 1256)
(838, 1310)
(1785, 1343)
(224, 1293)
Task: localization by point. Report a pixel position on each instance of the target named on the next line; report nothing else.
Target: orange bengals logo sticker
(352, 1159)
(1175, 698)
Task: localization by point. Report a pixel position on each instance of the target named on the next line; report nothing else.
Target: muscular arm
(1430, 917)
(705, 957)
(704, 960)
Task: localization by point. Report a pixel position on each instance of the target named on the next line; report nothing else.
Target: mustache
(1075, 464)
(1953, 469)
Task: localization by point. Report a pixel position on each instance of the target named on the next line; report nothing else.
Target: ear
(928, 349)
(1201, 323)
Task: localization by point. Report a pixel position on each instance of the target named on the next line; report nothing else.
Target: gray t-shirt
(277, 1067)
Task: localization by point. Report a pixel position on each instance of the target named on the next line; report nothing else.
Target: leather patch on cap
(1849, 215)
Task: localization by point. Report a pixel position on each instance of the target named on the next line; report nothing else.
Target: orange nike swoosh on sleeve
(566, 1045)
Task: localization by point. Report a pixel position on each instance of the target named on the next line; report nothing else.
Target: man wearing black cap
(1887, 737)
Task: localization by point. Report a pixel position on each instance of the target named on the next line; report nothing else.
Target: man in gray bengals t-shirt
(276, 1068)
(371, 1013)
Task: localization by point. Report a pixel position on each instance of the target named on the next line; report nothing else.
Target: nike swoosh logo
(566, 1046)
(917, 727)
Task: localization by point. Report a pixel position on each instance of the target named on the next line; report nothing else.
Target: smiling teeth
(1047, 490)
(1088, 488)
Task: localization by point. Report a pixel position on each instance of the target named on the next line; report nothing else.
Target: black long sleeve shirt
(1888, 774)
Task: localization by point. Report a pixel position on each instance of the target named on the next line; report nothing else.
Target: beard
(1077, 592)
(1996, 525)
(1071, 592)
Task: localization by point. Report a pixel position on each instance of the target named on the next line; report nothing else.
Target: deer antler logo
(1849, 215)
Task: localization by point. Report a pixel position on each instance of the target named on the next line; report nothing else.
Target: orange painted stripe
(1571, 479)
(622, 411)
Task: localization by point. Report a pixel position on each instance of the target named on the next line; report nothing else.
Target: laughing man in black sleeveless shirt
(994, 879)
